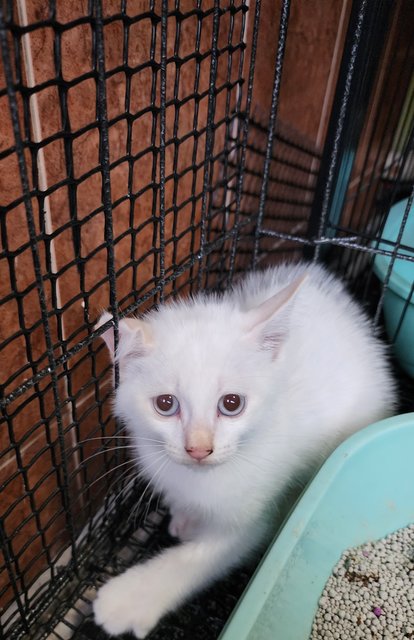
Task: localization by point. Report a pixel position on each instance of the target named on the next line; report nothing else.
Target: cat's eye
(231, 404)
(166, 404)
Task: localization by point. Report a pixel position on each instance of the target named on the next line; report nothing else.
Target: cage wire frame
(55, 602)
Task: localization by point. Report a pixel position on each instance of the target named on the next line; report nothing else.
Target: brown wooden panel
(313, 49)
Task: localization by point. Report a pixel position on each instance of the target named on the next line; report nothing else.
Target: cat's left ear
(268, 323)
(133, 338)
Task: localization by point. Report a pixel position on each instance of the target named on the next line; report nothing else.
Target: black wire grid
(72, 511)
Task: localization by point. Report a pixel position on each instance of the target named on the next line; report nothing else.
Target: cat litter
(370, 593)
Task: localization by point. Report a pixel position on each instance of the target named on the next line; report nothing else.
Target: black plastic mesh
(137, 168)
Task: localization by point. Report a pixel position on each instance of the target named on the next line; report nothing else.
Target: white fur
(311, 373)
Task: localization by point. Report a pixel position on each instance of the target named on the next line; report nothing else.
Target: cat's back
(331, 349)
(258, 286)
(320, 302)
(322, 312)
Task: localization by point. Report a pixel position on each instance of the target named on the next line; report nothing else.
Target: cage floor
(203, 618)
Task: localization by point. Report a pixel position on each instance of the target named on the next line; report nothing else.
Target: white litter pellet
(370, 593)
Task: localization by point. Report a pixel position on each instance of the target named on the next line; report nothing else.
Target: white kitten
(228, 400)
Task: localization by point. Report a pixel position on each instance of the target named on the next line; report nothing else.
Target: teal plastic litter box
(364, 491)
(399, 321)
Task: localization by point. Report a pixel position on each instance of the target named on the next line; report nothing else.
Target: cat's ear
(269, 322)
(134, 337)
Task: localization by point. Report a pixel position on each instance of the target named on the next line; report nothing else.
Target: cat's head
(196, 376)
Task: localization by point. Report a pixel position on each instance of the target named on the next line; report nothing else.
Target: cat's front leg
(137, 599)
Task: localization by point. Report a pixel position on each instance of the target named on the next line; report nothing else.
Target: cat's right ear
(134, 337)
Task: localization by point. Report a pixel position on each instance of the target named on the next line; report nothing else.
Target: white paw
(128, 603)
(182, 526)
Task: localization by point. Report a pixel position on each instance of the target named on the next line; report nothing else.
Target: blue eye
(166, 405)
(231, 404)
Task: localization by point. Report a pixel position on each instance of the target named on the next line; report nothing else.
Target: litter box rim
(245, 622)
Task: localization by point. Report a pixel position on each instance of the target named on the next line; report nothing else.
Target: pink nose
(199, 453)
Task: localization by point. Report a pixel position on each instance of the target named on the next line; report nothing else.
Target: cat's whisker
(257, 456)
(123, 478)
(157, 506)
(122, 464)
(115, 497)
(136, 508)
(126, 488)
(113, 436)
(110, 450)
(252, 462)
(137, 437)
(117, 448)
(146, 467)
(156, 478)
(256, 459)
(232, 462)
(144, 519)
(271, 440)
(142, 472)
(147, 456)
(116, 436)
(162, 468)
(272, 499)
(119, 495)
(135, 512)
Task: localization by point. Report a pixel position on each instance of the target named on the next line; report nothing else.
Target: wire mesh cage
(150, 149)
